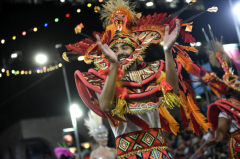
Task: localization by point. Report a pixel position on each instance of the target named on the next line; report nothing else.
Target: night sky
(44, 95)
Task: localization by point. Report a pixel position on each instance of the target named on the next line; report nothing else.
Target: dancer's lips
(122, 58)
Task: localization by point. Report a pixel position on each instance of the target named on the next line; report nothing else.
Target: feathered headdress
(219, 58)
(94, 125)
(124, 25)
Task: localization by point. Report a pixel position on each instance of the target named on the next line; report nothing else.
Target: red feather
(190, 90)
(184, 118)
(196, 70)
(168, 19)
(197, 128)
(88, 41)
(161, 17)
(165, 124)
(187, 37)
(99, 34)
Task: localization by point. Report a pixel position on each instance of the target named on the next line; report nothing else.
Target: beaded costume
(138, 125)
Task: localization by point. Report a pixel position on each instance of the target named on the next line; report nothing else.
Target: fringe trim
(170, 99)
(144, 150)
(121, 107)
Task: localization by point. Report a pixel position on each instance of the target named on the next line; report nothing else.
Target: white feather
(92, 122)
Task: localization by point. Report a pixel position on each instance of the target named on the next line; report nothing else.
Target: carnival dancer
(100, 133)
(224, 114)
(134, 96)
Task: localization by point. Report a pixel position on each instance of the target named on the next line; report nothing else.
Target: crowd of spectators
(187, 145)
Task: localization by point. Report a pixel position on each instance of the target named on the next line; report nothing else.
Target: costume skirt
(148, 144)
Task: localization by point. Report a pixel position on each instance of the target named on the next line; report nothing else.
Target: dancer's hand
(169, 40)
(107, 52)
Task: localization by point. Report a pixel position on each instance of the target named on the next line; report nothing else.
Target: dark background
(20, 98)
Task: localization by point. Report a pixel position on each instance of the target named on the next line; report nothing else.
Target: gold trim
(235, 103)
(144, 150)
(136, 75)
(146, 110)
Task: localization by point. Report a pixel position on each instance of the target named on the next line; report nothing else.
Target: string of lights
(35, 29)
(44, 69)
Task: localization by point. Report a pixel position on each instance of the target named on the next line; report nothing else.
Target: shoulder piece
(229, 106)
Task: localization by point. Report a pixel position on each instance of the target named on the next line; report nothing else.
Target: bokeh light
(89, 4)
(2, 41)
(14, 37)
(78, 10)
(56, 20)
(80, 58)
(67, 15)
(24, 33)
(35, 29)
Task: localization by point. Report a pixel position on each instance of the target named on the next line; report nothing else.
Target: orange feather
(185, 62)
(199, 117)
(173, 124)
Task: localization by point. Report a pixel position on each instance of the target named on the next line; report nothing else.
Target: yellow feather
(64, 56)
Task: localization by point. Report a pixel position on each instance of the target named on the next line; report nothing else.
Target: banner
(233, 52)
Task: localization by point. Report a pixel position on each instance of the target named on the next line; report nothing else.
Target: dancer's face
(122, 51)
(102, 139)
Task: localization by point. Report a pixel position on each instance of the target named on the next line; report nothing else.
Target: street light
(149, 4)
(236, 10)
(41, 58)
(75, 113)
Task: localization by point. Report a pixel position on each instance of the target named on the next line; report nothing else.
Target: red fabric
(138, 121)
(132, 157)
(146, 154)
(167, 87)
(197, 128)
(121, 92)
(82, 90)
(103, 71)
(221, 105)
(142, 139)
